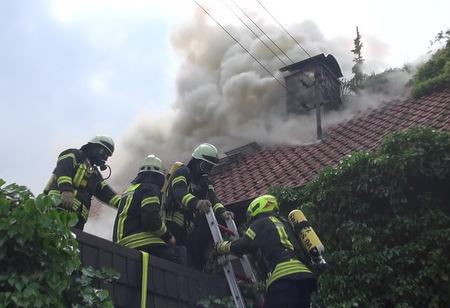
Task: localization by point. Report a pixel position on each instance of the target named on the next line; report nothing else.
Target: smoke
(225, 97)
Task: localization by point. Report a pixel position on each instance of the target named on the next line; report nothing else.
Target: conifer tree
(358, 76)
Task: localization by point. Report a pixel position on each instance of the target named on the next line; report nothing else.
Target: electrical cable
(262, 31)
(283, 28)
(248, 52)
(254, 23)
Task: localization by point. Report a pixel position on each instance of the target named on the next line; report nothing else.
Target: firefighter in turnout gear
(138, 222)
(191, 195)
(76, 178)
(289, 282)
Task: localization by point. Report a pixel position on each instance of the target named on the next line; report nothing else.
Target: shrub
(39, 261)
(384, 218)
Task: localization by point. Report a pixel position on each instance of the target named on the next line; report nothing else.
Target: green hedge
(39, 261)
(384, 218)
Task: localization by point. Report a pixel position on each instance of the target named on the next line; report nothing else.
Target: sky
(161, 77)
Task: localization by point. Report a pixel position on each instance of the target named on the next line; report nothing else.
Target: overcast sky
(161, 77)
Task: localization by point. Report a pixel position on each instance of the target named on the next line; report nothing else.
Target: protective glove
(222, 248)
(203, 205)
(227, 214)
(67, 199)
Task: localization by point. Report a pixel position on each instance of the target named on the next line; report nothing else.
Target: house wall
(170, 285)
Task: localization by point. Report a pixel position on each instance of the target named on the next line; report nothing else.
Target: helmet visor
(104, 153)
(206, 167)
(211, 159)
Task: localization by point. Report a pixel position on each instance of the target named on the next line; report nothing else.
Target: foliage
(434, 75)
(380, 83)
(384, 218)
(39, 261)
(357, 70)
(442, 36)
(214, 267)
(215, 302)
(431, 76)
(247, 291)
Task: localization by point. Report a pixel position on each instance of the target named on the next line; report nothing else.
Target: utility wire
(256, 35)
(265, 68)
(254, 23)
(300, 80)
(283, 28)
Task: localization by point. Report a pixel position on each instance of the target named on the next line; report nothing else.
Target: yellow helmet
(263, 204)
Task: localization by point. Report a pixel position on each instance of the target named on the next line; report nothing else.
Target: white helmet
(104, 141)
(207, 152)
(153, 164)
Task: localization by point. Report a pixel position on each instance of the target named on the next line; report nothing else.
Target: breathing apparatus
(102, 148)
(307, 236)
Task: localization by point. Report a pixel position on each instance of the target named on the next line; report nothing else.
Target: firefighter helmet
(263, 204)
(104, 141)
(153, 164)
(207, 152)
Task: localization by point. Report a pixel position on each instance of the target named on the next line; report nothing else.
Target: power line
(283, 28)
(300, 80)
(245, 49)
(256, 35)
(254, 23)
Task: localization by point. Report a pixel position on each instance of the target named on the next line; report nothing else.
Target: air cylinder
(307, 236)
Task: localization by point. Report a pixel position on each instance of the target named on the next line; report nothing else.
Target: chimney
(311, 84)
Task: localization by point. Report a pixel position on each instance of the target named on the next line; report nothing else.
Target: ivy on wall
(384, 218)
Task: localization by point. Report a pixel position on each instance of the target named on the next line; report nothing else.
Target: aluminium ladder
(226, 262)
(245, 263)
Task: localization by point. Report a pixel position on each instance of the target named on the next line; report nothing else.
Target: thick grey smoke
(225, 97)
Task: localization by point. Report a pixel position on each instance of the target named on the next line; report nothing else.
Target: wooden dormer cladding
(235, 156)
(311, 80)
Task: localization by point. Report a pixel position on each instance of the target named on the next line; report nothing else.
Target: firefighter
(191, 195)
(289, 282)
(77, 178)
(139, 223)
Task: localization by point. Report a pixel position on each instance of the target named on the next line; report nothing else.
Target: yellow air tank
(307, 236)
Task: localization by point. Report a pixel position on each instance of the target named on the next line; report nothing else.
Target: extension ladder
(226, 262)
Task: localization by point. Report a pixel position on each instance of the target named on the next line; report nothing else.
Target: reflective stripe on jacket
(185, 195)
(267, 237)
(73, 172)
(138, 222)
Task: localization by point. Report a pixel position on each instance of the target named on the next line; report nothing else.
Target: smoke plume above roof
(224, 96)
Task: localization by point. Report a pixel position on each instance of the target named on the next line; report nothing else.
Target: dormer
(315, 79)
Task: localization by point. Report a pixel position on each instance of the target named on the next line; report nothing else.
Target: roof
(295, 166)
(329, 61)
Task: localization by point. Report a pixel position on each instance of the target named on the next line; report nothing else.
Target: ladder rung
(242, 277)
(225, 261)
(225, 229)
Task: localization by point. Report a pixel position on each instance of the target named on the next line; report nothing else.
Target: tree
(40, 264)
(442, 36)
(384, 219)
(433, 75)
(357, 69)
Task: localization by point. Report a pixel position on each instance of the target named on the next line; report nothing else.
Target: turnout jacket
(267, 238)
(75, 173)
(138, 222)
(184, 193)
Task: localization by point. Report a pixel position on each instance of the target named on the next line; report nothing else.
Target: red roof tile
(295, 166)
